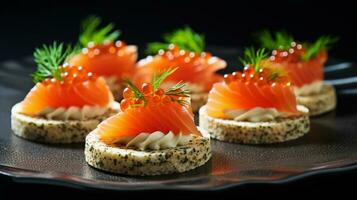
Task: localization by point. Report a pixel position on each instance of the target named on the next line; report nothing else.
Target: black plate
(330, 146)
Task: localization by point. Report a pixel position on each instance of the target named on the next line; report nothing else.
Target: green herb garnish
(254, 57)
(176, 90)
(158, 79)
(282, 41)
(138, 94)
(179, 91)
(279, 40)
(91, 32)
(48, 60)
(322, 43)
(185, 39)
(273, 75)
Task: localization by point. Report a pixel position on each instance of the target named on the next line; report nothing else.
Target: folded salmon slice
(198, 68)
(78, 88)
(301, 72)
(249, 90)
(108, 59)
(148, 109)
(148, 119)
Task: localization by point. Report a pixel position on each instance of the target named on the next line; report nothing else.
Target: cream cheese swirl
(308, 89)
(156, 140)
(258, 114)
(74, 113)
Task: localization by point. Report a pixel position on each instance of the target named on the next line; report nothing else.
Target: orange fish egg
(78, 88)
(198, 68)
(108, 59)
(300, 72)
(156, 111)
(249, 90)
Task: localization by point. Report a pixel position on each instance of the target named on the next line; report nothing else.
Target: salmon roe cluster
(71, 75)
(292, 54)
(93, 50)
(182, 56)
(150, 96)
(264, 76)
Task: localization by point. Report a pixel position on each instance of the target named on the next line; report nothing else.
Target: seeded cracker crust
(54, 131)
(320, 103)
(198, 100)
(254, 132)
(146, 163)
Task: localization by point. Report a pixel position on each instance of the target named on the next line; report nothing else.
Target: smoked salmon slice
(184, 50)
(110, 59)
(301, 72)
(102, 53)
(255, 87)
(150, 109)
(63, 86)
(303, 62)
(148, 119)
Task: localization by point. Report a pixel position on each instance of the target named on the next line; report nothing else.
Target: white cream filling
(308, 89)
(258, 114)
(74, 113)
(156, 140)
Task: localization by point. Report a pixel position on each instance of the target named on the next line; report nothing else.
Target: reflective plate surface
(330, 145)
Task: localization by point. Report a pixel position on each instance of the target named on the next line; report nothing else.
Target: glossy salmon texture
(148, 119)
(150, 109)
(192, 67)
(78, 88)
(249, 90)
(301, 72)
(108, 59)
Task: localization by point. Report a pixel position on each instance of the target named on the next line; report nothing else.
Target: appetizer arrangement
(183, 49)
(304, 64)
(104, 55)
(152, 130)
(66, 103)
(153, 134)
(255, 106)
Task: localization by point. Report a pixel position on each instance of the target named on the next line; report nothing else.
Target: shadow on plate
(21, 142)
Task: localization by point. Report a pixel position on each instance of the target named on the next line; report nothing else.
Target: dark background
(27, 24)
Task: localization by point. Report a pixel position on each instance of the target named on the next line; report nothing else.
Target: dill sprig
(276, 73)
(185, 38)
(137, 93)
(322, 43)
(74, 51)
(91, 32)
(158, 79)
(178, 90)
(48, 60)
(254, 57)
(279, 40)
(282, 41)
(273, 75)
(183, 102)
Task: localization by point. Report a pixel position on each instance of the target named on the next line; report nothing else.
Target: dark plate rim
(66, 180)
